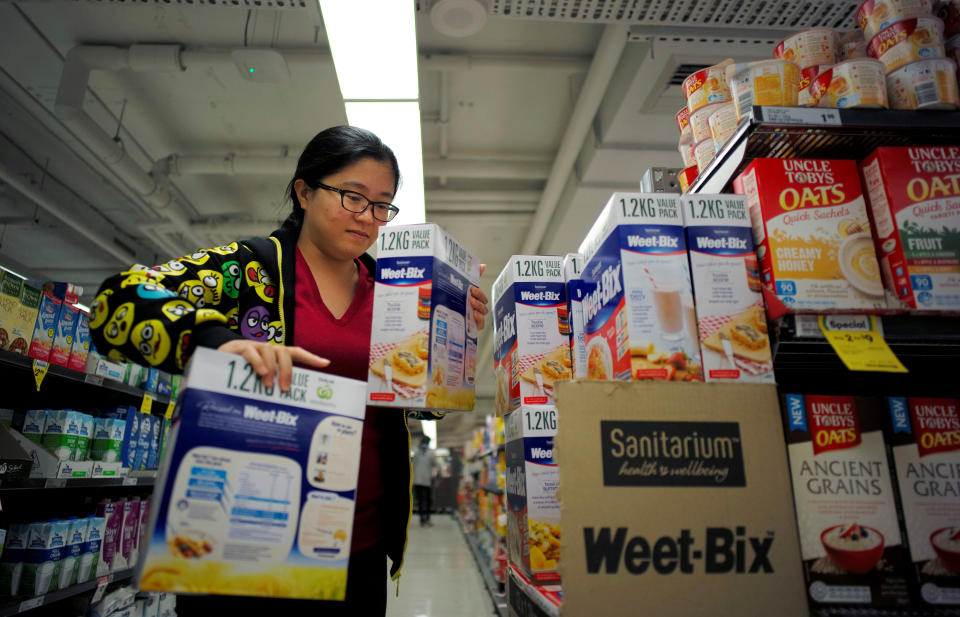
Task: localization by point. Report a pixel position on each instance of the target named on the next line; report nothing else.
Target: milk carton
(60, 432)
(33, 424)
(130, 536)
(46, 544)
(640, 281)
(43, 331)
(131, 438)
(64, 334)
(531, 331)
(83, 437)
(81, 344)
(730, 317)
(926, 453)
(812, 233)
(915, 206)
(107, 444)
(73, 548)
(92, 545)
(423, 346)
(572, 268)
(112, 514)
(533, 512)
(14, 554)
(850, 539)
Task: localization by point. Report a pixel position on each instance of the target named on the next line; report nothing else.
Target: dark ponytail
(329, 152)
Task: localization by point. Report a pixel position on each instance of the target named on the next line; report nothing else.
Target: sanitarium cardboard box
(680, 506)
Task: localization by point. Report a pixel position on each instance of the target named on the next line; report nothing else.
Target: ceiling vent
(459, 18)
(683, 71)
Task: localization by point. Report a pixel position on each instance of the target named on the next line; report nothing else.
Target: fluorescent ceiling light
(397, 123)
(374, 48)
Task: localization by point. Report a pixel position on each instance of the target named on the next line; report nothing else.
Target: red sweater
(346, 343)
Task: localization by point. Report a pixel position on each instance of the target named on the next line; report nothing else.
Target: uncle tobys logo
(834, 424)
(936, 423)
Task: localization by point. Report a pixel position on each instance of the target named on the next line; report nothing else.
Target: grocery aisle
(440, 577)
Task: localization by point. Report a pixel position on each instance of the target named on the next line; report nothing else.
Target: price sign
(859, 343)
(40, 369)
(96, 380)
(130, 481)
(32, 603)
(147, 403)
(55, 483)
(169, 412)
(802, 115)
(102, 583)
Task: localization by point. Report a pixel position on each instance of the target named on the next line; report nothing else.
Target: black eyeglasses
(357, 203)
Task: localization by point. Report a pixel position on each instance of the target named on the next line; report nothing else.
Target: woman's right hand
(270, 360)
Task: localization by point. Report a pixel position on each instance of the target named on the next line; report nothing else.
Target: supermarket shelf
(490, 488)
(20, 605)
(485, 453)
(62, 387)
(499, 599)
(30, 484)
(801, 132)
(525, 600)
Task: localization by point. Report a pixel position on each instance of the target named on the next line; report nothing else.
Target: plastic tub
(807, 77)
(926, 84)
(707, 87)
(853, 83)
(686, 178)
(704, 153)
(683, 119)
(686, 150)
(950, 14)
(699, 122)
(768, 82)
(812, 47)
(723, 124)
(852, 45)
(875, 15)
(908, 41)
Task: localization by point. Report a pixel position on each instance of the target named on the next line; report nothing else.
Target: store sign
(679, 494)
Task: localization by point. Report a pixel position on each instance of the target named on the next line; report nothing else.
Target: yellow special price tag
(40, 369)
(147, 403)
(169, 412)
(859, 343)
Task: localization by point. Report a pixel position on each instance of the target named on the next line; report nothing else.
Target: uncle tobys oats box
(638, 282)
(924, 435)
(846, 507)
(914, 195)
(423, 346)
(812, 233)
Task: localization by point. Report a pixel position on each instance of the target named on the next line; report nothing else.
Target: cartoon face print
(228, 249)
(205, 314)
(141, 277)
(274, 332)
(175, 309)
(152, 341)
(197, 258)
(231, 279)
(100, 309)
(171, 268)
(255, 323)
(150, 291)
(194, 291)
(258, 278)
(233, 318)
(213, 281)
(118, 328)
(183, 348)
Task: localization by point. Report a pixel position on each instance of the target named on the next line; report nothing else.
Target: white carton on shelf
(72, 550)
(730, 317)
(92, 545)
(45, 547)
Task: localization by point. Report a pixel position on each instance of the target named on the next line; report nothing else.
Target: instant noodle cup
(927, 84)
(683, 118)
(686, 177)
(700, 122)
(723, 124)
(875, 15)
(810, 47)
(853, 83)
(704, 152)
(950, 14)
(686, 150)
(908, 41)
(852, 45)
(767, 82)
(707, 86)
(807, 77)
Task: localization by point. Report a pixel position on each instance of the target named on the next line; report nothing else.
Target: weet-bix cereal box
(257, 492)
(423, 346)
(924, 436)
(531, 331)
(572, 269)
(730, 317)
(915, 205)
(639, 282)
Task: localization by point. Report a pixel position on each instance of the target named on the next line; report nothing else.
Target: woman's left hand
(479, 302)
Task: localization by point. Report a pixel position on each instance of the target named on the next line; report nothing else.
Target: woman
(310, 284)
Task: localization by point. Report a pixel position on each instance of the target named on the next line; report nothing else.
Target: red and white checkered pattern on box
(709, 325)
(380, 350)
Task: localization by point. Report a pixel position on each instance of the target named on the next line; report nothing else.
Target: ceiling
(549, 108)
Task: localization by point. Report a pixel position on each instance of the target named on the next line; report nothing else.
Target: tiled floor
(439, 576)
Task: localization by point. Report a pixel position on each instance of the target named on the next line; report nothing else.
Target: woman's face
(338, 233)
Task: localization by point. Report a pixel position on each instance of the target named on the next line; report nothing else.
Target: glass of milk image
(690, 318)
(668, 303)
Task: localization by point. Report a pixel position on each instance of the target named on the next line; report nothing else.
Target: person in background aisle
(424, 468)
(303, 295)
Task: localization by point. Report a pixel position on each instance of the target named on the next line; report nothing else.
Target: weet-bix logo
(900, 415)
(797, 412)
(541, 453)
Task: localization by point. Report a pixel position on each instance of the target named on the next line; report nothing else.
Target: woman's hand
(479, 302)
(270, 360)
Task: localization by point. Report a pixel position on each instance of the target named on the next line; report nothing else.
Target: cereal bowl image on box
(853, 548)
(946, 544)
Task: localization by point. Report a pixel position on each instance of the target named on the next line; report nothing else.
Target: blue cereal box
(257, 491)
(423, 346)
(639, 278)
(572, 269)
